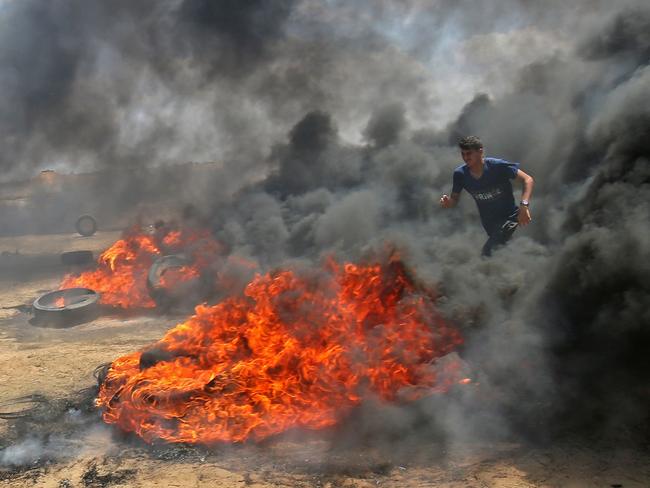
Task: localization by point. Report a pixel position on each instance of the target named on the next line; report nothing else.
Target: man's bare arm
(449, 202)
(528, 183)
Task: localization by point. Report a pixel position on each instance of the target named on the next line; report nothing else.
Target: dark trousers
(500, 234)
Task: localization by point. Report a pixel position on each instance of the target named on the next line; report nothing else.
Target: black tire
(160, 295)
(77, 257)
(183, 296)
(86, 225)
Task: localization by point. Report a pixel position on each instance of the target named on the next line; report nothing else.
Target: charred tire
(153, 356)
(158, 293)
(86, 225)
(67, 307)
(77, 257)
(23, 407)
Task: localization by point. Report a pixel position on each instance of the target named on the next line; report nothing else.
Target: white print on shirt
(492, 194)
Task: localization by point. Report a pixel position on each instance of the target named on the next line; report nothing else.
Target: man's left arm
(524, 211)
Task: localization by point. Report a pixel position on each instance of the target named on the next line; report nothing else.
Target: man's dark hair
(470, 142)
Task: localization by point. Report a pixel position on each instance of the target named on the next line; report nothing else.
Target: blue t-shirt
(492, 191)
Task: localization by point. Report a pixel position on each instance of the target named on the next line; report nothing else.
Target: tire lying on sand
(86, 225)
(66, 307)
(77, 257)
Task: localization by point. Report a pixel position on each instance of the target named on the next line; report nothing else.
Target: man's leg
(488, 246)
(500, 236)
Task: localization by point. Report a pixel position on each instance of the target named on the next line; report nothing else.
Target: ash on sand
(48, 433)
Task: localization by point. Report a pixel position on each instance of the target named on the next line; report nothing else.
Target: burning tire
(169, 282)
(86, 225)
(67, 307)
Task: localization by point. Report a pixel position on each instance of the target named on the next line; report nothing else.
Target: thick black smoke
(557, 323)
(386, 125)
(83, 83)
(336, 127)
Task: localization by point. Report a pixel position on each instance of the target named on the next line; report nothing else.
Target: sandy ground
(65, 444)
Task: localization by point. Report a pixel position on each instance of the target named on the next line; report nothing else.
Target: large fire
(293, 351)
(121, 273)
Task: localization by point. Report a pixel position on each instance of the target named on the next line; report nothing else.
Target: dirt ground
(65, 443)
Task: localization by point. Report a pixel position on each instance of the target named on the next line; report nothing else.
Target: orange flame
(291, 352)
(174, 277)
(121, 273)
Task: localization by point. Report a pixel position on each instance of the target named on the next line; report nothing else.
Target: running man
(488, 181)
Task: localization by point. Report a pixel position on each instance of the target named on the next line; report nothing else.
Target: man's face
(472, 157)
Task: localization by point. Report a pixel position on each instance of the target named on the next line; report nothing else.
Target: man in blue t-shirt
(488, 181)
